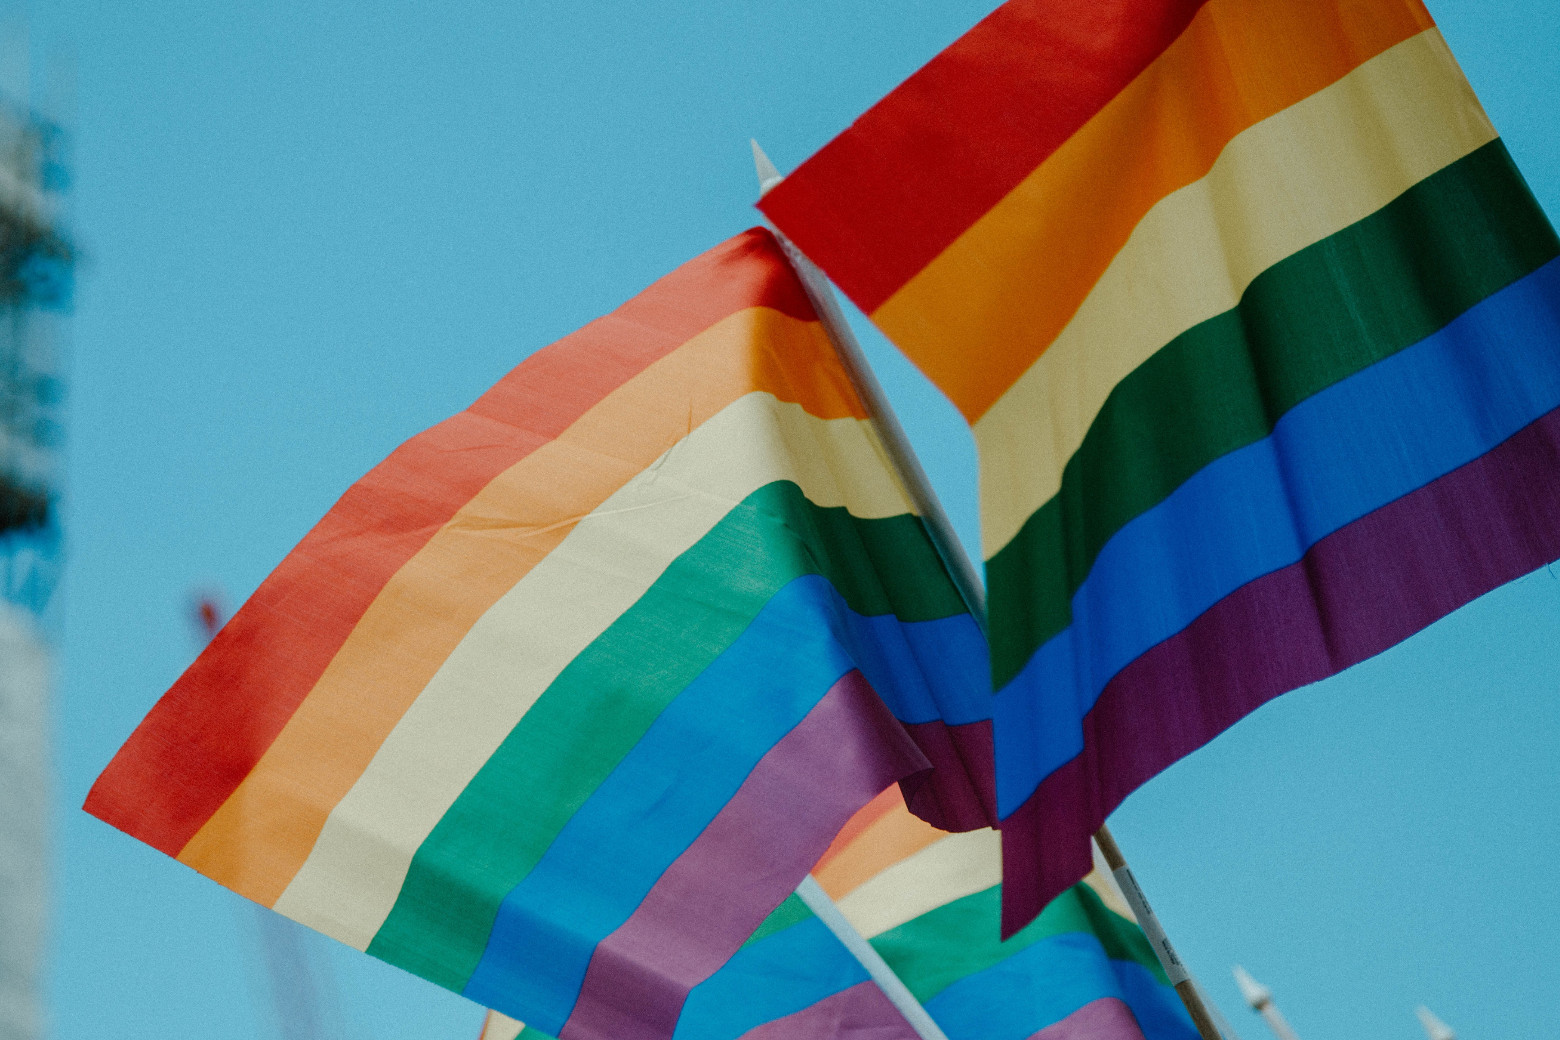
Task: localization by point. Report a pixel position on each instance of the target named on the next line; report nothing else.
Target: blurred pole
(1434, 1027)
(302, 995)
(1221, 1023)
(25, 681)
(1261, 1000)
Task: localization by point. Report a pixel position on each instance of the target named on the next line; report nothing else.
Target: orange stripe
(891, 837)
(262, 834)
(979, 314)
(887, 801)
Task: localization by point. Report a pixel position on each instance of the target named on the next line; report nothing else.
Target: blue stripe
(924, 670)
(1044, 983)
(1158, 1009)
(683, 771)
(1335, 457)
(777, 976)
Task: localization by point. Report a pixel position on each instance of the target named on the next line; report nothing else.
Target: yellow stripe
(1285, 184)
(957, 866)
(352, 876)
(1104, 884)
(500, 1027)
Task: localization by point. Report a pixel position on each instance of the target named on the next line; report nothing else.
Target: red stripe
(1357, 592)
(880, 201)
(210, 729)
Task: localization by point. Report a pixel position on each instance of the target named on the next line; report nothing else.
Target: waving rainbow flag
(930, 903)
(792, 980)
(564, 697)
(1258, 329)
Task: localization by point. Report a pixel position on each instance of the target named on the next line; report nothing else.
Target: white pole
(950, 548)
(894, 440)
(954, 558)
(1434, 1027)
(1261, 1000)
(892, 985)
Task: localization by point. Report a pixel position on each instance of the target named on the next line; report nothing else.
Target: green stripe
(533, 1034)
(960, 938)
(1311, 320)
(604, 701)
(792, 911)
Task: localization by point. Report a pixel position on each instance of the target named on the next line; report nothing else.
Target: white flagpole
(894, 440)
(948, 547)
(1261, 1000)
(958, 562)
(892, 985)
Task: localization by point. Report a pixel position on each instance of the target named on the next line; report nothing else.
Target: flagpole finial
(768, 176)
(1255, 994)
(1437, 1029)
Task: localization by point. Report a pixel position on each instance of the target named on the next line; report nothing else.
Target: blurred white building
(24, 808)
(35, 282)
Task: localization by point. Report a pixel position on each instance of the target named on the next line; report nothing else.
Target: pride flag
(930, 903)
(564, 697)
(792, 980)
(1256, 325)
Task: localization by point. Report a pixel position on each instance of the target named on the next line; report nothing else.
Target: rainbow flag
(930, 903)
(564, 697)
(1256, 325)
(791, 980)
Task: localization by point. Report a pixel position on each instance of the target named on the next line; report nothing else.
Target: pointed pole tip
(1434, 1027)
(1254, 993)
(768, 176)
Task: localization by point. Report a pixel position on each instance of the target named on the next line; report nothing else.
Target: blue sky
(314, 229)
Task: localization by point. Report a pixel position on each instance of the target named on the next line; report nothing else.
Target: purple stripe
(752, 856)
(960, 793)
(1357, 592)
(1104, 1019)
(859, 1013)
